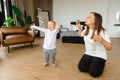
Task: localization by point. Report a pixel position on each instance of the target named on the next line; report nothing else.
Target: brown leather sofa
(16, 35)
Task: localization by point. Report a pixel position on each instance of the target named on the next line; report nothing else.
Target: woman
(97, 42)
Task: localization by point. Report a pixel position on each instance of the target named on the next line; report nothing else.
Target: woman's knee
(82, 68)
(96, 68)
(84, 63)
(95, 74)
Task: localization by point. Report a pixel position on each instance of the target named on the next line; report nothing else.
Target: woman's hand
(78, 24)
(98, 38)
(79, 28)
(106, 44)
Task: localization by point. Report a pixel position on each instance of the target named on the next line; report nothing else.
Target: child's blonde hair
(53, 22)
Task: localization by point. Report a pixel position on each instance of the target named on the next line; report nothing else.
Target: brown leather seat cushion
(16, 39)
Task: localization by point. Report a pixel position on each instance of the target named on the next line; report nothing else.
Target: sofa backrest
(13, 30)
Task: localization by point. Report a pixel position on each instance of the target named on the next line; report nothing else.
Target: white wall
(65, 11)
(114, 6)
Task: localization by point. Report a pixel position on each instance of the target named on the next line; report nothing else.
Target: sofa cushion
(17, 39)
(13, 30)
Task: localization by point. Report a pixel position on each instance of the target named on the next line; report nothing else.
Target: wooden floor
(24, 63)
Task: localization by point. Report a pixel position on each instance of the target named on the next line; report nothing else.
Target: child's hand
(32, 26)
(57, 25)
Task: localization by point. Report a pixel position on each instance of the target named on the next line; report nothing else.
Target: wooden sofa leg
(8, 49)
(31, 45)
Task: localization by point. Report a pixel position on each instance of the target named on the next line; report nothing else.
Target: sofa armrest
(1, 37)
(30, 32)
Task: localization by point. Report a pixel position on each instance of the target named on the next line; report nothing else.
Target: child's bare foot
(53, 65)
(45, 64)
